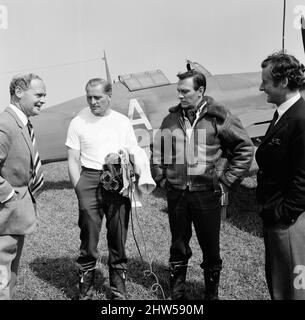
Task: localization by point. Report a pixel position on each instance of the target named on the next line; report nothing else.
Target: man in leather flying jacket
(186, 154)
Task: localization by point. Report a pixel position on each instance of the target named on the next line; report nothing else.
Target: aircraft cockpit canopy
(144, 80)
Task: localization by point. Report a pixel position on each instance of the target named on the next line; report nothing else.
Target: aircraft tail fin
(198, 67)
(107, 68)
(303, 30)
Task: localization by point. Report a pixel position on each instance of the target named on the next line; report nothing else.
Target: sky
(63, 40)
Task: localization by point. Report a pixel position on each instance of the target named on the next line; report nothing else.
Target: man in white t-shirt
(93, 134)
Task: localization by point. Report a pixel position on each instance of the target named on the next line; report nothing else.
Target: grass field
(48, 270)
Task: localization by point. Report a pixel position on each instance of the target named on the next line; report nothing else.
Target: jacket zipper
(188, 182)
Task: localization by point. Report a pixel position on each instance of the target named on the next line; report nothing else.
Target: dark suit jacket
(16, 152)
(281, 175)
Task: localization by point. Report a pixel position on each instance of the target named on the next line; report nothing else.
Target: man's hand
(126, 190)
(73, 166)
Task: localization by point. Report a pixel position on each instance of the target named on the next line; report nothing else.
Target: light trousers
(10, 253)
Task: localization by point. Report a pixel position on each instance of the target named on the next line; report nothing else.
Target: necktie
(275, 117)
(36, 180)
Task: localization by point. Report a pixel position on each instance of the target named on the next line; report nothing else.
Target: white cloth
(96, 137)
(286, 105)
(188, 125)
(23, 118)
(144, 183)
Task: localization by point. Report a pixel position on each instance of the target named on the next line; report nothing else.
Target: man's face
(188, 96)
(275, 93)
(32, 99)
(98, 100)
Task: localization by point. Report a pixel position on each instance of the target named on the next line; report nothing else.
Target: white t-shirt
(95, 137)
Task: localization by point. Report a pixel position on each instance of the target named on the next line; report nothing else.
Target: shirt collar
(198, 111)
(287, 104)
(201, 107)
(23, 118)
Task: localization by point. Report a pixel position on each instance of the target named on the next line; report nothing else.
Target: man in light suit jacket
(20, 170)
(281, 178)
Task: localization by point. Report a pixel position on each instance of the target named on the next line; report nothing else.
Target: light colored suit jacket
(16, 153)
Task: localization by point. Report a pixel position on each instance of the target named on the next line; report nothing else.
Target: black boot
(211, 279)
(117, 279)
(177, 280)
(86, 283)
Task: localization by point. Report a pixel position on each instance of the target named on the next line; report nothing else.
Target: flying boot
(117, 280)
(211, 279)
(177, 280)
(86, 276)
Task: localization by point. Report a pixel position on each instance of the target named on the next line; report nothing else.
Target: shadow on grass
(242, 209)
(154, 279)
(157, 281)
(62, 273)
(159, 193)
(58, 185)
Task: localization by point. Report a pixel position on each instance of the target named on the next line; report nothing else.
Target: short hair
(107, 87)
(23, 81)
(284, 66)
(199, 78)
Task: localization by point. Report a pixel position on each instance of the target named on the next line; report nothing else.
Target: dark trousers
(95, 202)
(204, 211)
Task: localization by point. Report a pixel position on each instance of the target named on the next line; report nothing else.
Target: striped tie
(36, 180)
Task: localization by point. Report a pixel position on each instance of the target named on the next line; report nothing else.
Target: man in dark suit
(20, 175)
(281, 178)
